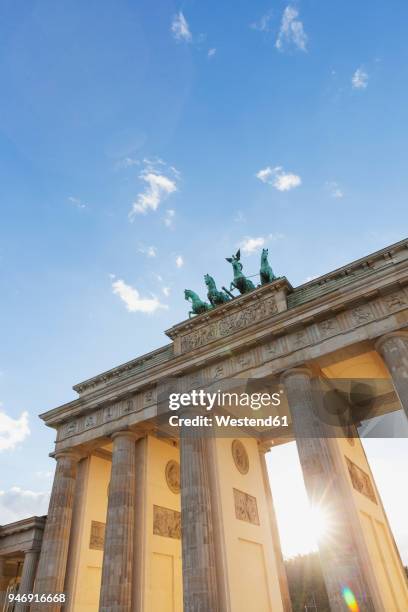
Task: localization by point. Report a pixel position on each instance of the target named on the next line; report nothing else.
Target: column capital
(126, 433)
(391, 335)
(70, 453)
(296, 371)
(264, 447)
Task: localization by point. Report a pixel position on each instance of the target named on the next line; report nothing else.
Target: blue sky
(141, 143)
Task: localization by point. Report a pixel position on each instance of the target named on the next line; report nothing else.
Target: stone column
(199, 570)
(283, 580)
(54, 550)
(342, 565)
(393, 348)
(117, 570)
(27, 577)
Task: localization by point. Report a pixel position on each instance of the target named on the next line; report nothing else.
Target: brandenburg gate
(143, 518)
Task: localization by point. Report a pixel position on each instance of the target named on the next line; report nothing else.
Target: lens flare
(350, 599)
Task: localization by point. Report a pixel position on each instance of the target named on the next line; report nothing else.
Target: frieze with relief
(97, 537)
(395, 301)
(246, 508)
(362, 314)
(166, 522)
(229, 325)
(329, 327)
(361, 481)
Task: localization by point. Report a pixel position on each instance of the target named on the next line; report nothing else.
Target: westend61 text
(206, 400)
(228, 421)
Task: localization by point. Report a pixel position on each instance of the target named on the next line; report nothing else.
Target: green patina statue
(216, 297)
(266, 273)
(240, 282)
(198, 305)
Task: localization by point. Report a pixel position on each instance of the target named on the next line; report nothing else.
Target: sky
(142, 143)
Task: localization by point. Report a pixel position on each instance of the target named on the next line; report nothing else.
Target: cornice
(33, 522)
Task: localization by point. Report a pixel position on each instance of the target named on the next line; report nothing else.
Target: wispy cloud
(160, 181)
(127, 162)
(166, 291)
(211, 52)
(12, 431)
(359, 80)
(334, 189)
(291, 32)
(133, 300)
(281, 180)
(169, 216)
(17, 503)
(180, 28)
(149, 251)
(76, 202)
(179, 261)
(251, 244)
(263, 24)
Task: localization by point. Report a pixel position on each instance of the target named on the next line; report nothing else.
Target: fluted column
(117, 570)
(342, 565)
(393, 348)
(54, 550)
(199, 571)
(27, 577)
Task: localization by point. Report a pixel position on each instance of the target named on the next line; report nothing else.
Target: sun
(320, 523)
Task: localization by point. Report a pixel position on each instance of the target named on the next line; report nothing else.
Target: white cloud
(169, 217)
(158, 186)
(180, 28)
(17, 503)
(334, 189)
(149, 251)
(359, 80)
(291, 30)
(179, 261)
(212, 52)
(12, 431)
(281, 180)
(262, 25)
(250, 245)
(166, 291)
(132, 299)
(76, 202)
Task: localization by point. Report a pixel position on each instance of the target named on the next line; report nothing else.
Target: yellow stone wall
(162, 579)
(88, 562)
(251, 572)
